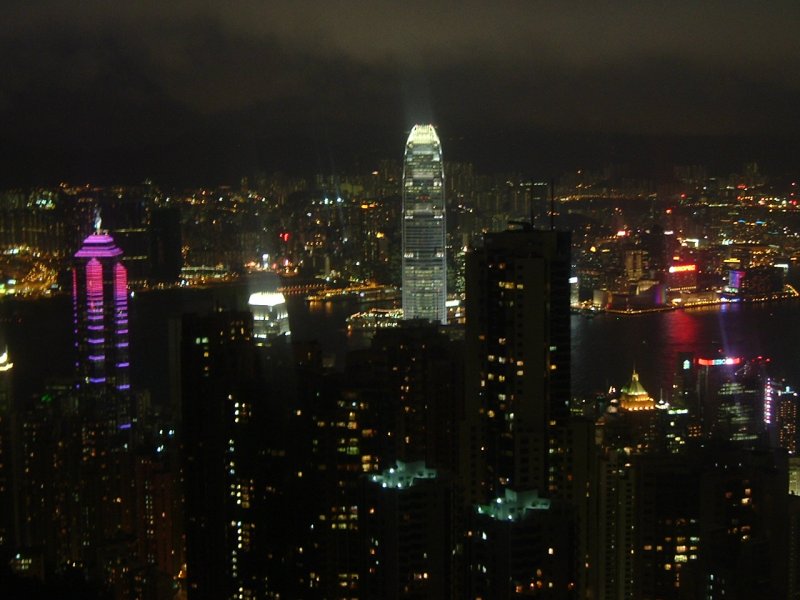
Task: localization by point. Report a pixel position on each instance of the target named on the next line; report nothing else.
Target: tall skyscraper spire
(100, 309)
(424, 261)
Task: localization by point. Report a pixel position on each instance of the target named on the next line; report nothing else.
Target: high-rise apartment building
(415, 375)
(408, 528)
(520, 545)
(223, 444)
(100, 309)
(518, 349)
(424, 266)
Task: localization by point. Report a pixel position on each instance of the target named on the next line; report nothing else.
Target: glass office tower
(100, 309)
(424, 261)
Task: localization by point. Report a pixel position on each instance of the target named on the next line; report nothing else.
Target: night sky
(205, 92)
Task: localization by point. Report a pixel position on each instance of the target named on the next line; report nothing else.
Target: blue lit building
(424, 262)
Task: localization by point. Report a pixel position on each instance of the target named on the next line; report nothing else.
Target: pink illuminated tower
(100, 309)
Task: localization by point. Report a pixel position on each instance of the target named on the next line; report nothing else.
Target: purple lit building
(100, 310)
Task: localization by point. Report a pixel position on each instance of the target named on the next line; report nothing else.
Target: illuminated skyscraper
(100, 309)
(424, 261)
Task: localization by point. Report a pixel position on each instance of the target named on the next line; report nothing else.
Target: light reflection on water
(606, 348)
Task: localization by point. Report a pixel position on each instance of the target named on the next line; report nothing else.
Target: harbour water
(605, 348)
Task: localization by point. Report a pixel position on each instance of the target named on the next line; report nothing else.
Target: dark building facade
(518, 360)
(222, 396)
(166, 259)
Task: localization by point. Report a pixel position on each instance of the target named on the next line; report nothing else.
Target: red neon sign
(682, 268)
(715, 362)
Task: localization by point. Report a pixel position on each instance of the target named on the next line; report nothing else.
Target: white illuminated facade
(424, 267)
(270, 316)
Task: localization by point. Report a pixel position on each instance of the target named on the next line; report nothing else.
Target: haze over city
(204, 93)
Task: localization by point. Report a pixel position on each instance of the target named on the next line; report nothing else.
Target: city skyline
(318, 463)
(292, 362)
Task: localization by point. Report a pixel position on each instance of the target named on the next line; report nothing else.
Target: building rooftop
(423, 134)
(635, 397)
(266, 299)
(404, 475)
(514, 505)
(98, 245)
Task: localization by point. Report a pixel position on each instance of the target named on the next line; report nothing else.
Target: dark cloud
(159, 85)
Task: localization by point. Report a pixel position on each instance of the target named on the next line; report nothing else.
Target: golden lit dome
(635, 397)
